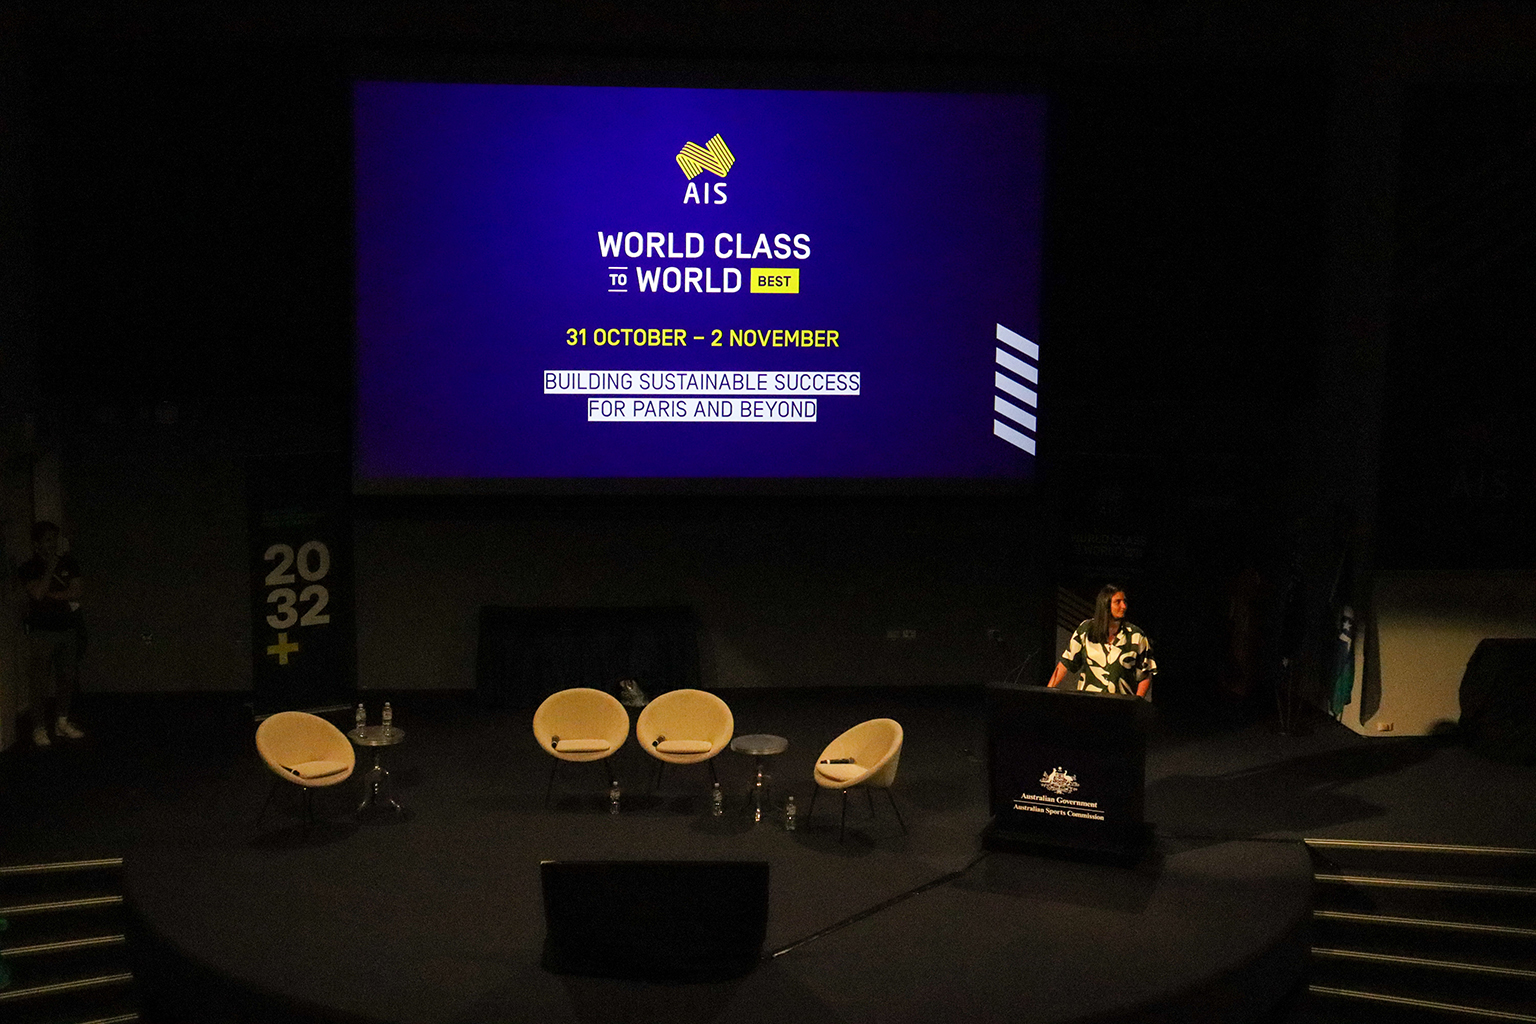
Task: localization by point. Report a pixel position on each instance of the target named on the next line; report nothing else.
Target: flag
(1344, 661)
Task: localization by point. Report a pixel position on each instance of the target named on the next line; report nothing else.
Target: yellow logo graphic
(714, 156)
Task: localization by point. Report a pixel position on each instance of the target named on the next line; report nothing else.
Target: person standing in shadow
(53, 624)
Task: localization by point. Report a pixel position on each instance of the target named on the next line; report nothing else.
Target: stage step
(63, 949)
(39, 964)
(1358, 1007)
(61, 905)
(1422, 932)
(110, 865)
(111, 1001)
(1436, 859)
(65, 986)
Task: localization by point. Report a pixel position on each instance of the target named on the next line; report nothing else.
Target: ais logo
(716, 158)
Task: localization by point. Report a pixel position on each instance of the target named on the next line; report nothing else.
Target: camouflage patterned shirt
(1109, 668)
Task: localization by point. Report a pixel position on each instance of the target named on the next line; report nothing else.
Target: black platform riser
(46, 969)
(70, 1009)
(1483, 908)
(1430, 943)
(1423, 911)
(1335, 1010)
(46, 878)
(49, 904)
(46, 904)
(1511, 868)
(32, 929)
(1507, 994)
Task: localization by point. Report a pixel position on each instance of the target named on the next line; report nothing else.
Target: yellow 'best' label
(785, 280)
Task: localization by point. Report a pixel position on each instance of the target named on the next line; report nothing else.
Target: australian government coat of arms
(1059, 782)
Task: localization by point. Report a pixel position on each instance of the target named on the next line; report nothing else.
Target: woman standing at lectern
(1111, 655)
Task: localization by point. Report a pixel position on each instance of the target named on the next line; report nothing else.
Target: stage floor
(445, 926)
(437, 917)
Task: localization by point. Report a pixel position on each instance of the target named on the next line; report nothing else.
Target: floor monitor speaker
(655, 920)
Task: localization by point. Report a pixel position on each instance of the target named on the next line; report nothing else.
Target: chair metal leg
(605, 770)
(604, 766)
(842, 823)
(270, 790)
(308, 809)
(661, 765)
(899, 820)
(812, 809)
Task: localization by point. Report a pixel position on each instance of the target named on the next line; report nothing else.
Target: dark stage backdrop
(194, 248)
(786, 591)
(526, 654)
(1456, 485)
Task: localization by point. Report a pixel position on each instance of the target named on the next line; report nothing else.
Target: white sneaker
(40, 737)
(64, 727)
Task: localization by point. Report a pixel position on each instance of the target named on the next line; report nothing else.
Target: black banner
(303, 629)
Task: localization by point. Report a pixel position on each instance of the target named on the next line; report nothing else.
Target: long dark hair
(1103, 622)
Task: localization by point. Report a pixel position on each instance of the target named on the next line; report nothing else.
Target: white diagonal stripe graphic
(1018, 366)
(1003, 407)
(1015, 340)
(1016, 389)
(1013, 437)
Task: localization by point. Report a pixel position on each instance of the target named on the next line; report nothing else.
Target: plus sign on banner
(303, 650)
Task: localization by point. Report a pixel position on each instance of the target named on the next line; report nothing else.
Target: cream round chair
(685, 727)
(305, 750)
(580, 724)
(867, 756)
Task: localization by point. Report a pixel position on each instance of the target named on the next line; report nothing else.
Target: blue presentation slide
(560, 282)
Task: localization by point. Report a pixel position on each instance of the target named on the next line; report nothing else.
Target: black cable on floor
(877, 908)
(1200, 837)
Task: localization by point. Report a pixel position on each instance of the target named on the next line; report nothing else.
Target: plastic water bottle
(789, 814)
(716, 801)
(389, 718)
(613, 797)
(362, 719)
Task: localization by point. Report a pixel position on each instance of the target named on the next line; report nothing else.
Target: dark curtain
(525, 654)
(1498, 700)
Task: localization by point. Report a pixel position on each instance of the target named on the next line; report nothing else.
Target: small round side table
(376, 783)
(760, 746)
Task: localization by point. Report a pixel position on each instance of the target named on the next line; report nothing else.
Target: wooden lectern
(1068, 773)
